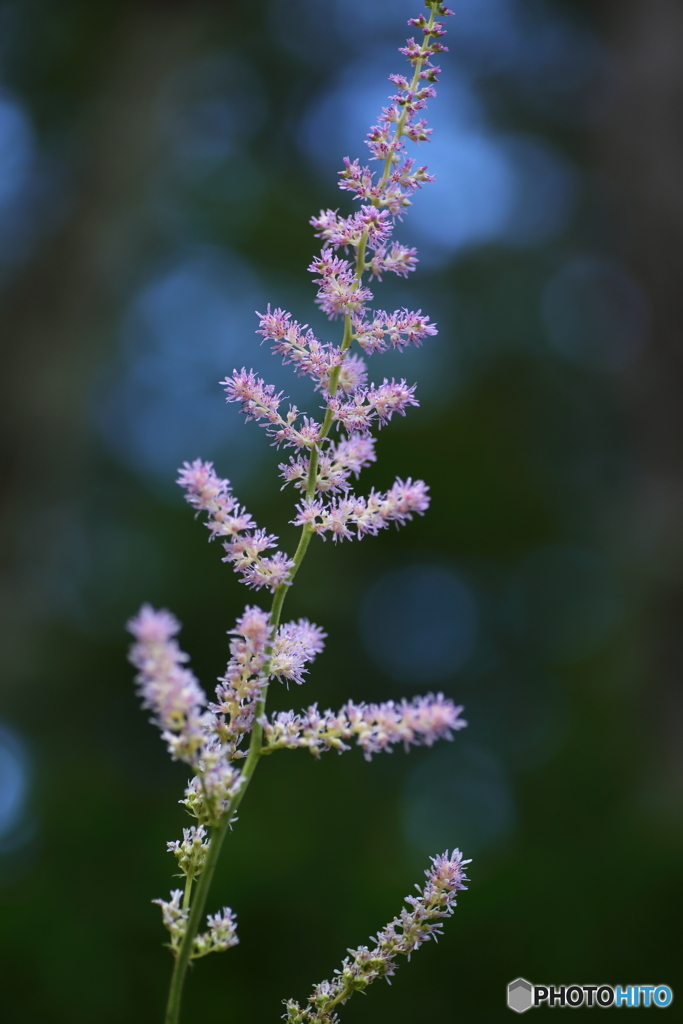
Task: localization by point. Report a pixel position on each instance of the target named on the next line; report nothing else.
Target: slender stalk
(413, 85)
(220, 830)
(188, 889)
(197, 910)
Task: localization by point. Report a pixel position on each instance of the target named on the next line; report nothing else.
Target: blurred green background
(158, 166)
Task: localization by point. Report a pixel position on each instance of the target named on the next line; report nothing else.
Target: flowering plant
(211, 737)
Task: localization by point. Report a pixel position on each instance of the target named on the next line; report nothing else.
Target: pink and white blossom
(374, 727)
(295, 644)
(207, 492)
(366, 515)
(167, 688)
(331, 447)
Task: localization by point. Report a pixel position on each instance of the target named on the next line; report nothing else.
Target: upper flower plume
(353, 246)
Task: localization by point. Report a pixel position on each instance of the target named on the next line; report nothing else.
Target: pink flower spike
(168, 689)
(204, 489)
(153, 627)
(404, 499)
(257, 398)
(357, 243)
(254, 625)
(295, 645)
(391, 397)
(375, 727)
(268, 572)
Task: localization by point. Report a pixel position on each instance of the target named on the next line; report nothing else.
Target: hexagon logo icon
(520, 995)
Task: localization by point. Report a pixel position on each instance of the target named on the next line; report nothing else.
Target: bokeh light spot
(488, 187)
(200, 116)
(183, 332)
(16, 150)
(546, 189)
(420, 624)
(13, 781)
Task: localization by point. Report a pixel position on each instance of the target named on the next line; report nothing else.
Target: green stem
(413, 85)
(220, 830)
(344, 994)
(185, 951)
(188, 889)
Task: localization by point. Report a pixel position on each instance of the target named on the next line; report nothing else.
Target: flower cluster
(335, 465)
(297, 344)
(245, 544)
(191, 852)
(339, 289)
(295, 644)
(403, 936)
(392, 330)
(365, 237)
(375, 727)
(209, 795)
(210, 736)
(240, 688)
(373, 405)
(365, 515)
(259, 402)
(167, 688)
(222, 927)
(222, 934)
(172, 692)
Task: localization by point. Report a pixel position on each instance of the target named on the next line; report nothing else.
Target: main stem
(413, 86)
(220, 830)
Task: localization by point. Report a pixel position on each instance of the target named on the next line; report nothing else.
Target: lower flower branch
(403, 935)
